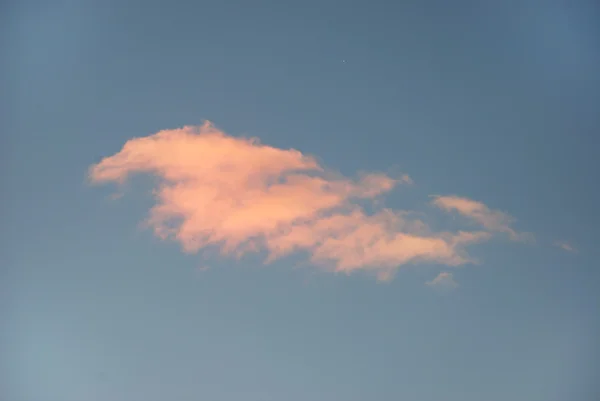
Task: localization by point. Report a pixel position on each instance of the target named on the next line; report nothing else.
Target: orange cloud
(242, 196)
(492, 220)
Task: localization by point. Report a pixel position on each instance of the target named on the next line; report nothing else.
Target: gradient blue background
(495, 102)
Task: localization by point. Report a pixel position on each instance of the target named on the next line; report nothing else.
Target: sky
(299, 201)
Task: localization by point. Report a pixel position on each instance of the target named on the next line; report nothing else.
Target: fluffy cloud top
(241, 196)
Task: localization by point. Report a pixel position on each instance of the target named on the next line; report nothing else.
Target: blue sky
(486, 101)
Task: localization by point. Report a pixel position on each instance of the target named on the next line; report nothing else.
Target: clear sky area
(299, 200)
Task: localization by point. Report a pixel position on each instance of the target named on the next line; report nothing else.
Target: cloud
(492, 220)
(443, 280)
(565, 246)
(239, 196)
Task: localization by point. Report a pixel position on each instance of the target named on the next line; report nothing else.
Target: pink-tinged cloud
(565, 246)
(491, 220)
(241, 196)
(443, 280)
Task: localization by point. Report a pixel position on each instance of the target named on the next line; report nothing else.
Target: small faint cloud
(444, 280)
(385, 276)
(492, 220)
(565, 246)
(201, 269)
(116, 195)
(405, 178)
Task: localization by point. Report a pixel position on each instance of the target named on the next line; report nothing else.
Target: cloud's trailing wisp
(241, 196)
(491, 220)
(443, 280)
(565, 246)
